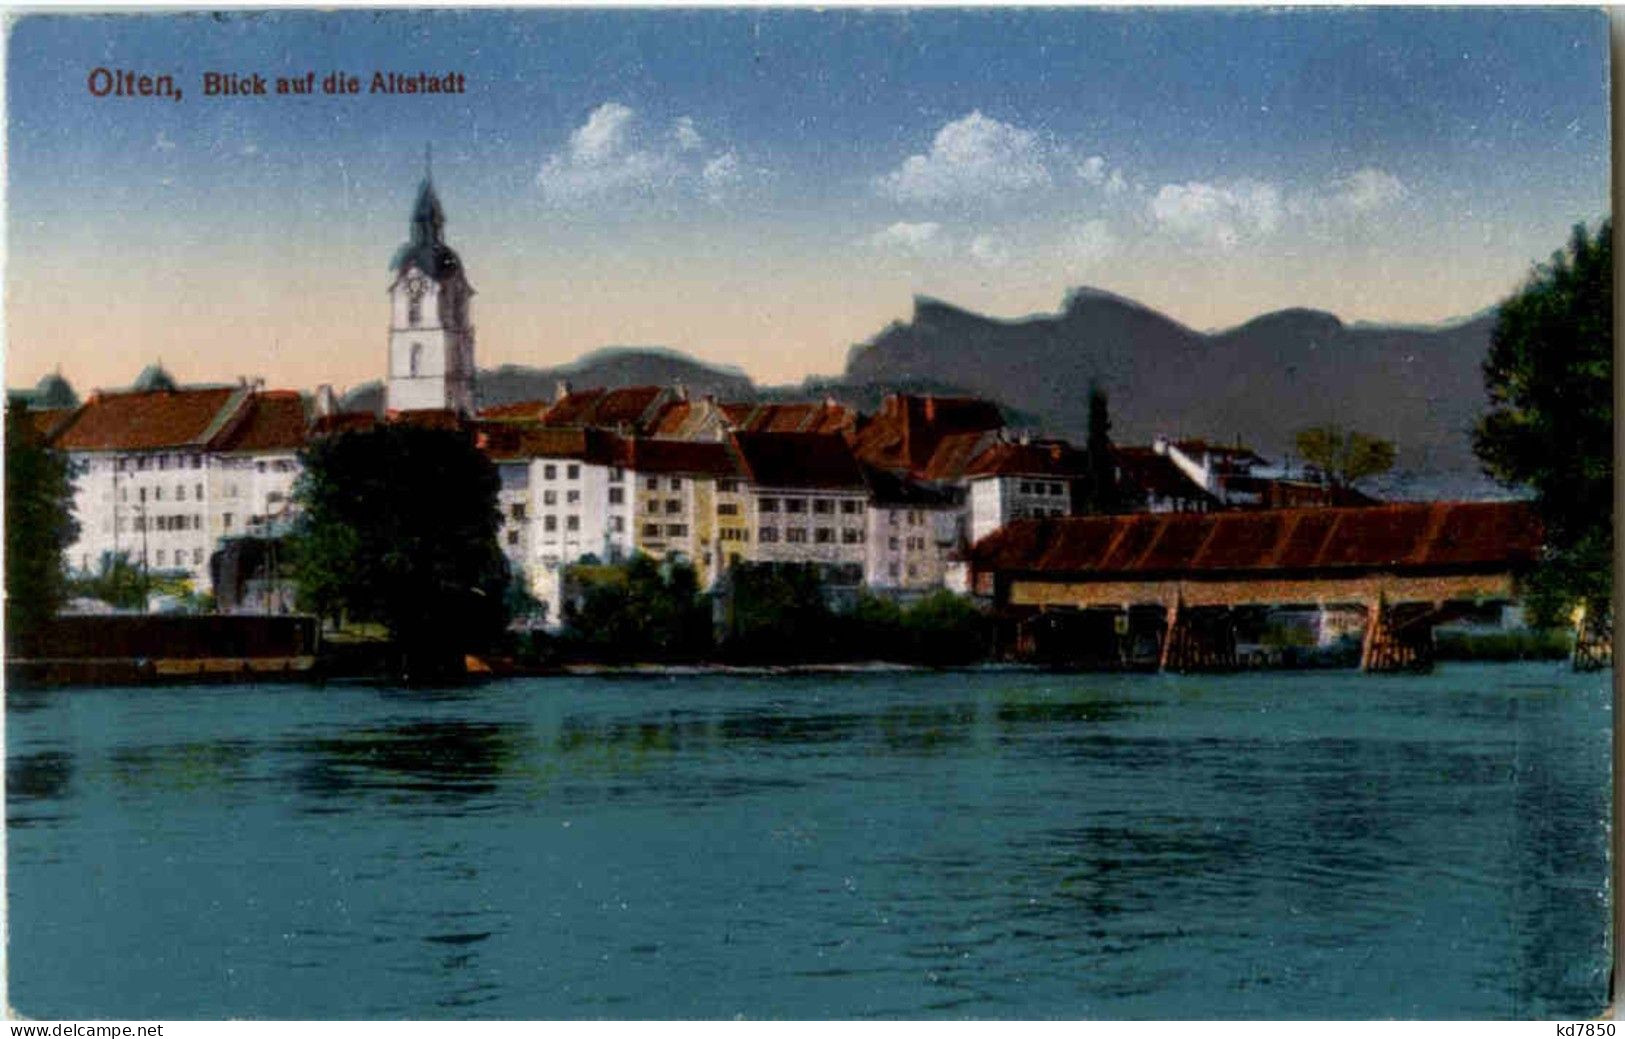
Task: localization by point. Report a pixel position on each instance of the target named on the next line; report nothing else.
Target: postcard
(1008, 513)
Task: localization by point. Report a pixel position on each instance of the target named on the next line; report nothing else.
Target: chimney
(561, 390)
(930, 408)
(1159, 444)
(326, 403)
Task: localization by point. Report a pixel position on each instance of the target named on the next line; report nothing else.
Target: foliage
(778, 613)
(944, 628)
(1098, 490)
(1345, 456)
(116, 581)
(1550, 423)
(39, 527)
(399, 525)
(643, 610)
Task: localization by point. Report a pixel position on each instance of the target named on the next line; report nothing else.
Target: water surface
(885, 845)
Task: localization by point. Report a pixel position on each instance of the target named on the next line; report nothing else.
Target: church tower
(431, 339)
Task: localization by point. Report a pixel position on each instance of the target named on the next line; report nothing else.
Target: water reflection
(446, 762)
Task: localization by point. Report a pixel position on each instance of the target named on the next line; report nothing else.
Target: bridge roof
(1401, 537)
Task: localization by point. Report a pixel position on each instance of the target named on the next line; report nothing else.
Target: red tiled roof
(428, 418)
(797, 417)
(48, 422)
(954, 453)
(674, 420)
(599, 407)
(1052, 458)
(1460, 535)
(343, 422)
(272, 421)
(507, 442)
(524, 410)
(695, 457)
(147, 421)
(906, 431)
(811, 460)
(1157, 475)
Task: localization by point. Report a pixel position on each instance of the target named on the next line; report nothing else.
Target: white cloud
(989, 251)
(1221, 214)
(1093, 170)
(687, 137)
(913, 240)
(612, 156)
(970, 159)
(1089, 243)
(1115, 184)
(1366, 190)
(163, 143)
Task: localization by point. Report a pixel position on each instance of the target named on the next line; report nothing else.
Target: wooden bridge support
(1398, 638)
(1594, 641)
(1199, 640)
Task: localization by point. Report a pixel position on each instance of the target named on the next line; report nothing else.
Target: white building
(807, 503)
(164, 474)
(1023, 480)
(914, 528)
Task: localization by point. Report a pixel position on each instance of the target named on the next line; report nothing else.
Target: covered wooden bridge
(1167, 589)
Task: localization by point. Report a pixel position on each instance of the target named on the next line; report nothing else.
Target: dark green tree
(1099, 492)
(1344, 456)
(116, 581)
(399, 526)
(644, 610)
(1550, 424)
(39, 527)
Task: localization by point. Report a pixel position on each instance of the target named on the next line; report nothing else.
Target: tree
(399, 526)
(1099, 487)
(39, 528)
(116, 581)
(644, 610)
(1550, 424)
(1345, 456)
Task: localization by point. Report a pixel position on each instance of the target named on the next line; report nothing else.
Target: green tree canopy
(399, 526)
(1345, 456)
(39, 527)
(1550, 423)
(643, 610)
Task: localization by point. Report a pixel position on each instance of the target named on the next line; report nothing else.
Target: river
(879, 845)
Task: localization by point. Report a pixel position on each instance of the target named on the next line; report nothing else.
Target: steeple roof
(426, 248)
(153, 377)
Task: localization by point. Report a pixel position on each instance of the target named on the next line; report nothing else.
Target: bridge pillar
(1199, 640)
(1397, 639)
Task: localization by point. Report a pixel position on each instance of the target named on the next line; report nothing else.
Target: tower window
(416, 359)
(414, 311)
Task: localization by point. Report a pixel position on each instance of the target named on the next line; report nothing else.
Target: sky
(765, 188)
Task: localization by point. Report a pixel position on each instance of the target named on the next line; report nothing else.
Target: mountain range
(1259, 382)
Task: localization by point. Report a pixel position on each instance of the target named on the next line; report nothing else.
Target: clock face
(416, 286)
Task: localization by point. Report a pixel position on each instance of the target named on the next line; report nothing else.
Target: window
(157, 494)
(652, 483)
(617, 495)
(651, 530)
(676, 483)
(197, 556)
(273, 497)
(891, 517)
(180, 492)
(197, 521)
(849, 507)
(260, 466)
(163, 461)
(572, 523)
(891, 568)
(673, 506)
(796, 535)
(550, 472)
(517, 511)
(824, 535)
(416, 360)
(851, 537)
(767, 535)
(795, 505)
(727, 486)
(143, 493)
(572, 472)
(225, 521)
(572, 497)
(141, 463)
(197, 461)
(414, 310)
(891, 543)
(513, 537)
(550, 523)
(727, 508)
(550, 497)
(769, 505)
(823, 506)
(617, 524)
(120, 465)
(677, 530)
(1026, 487)
(616, 474)
(198, 490)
